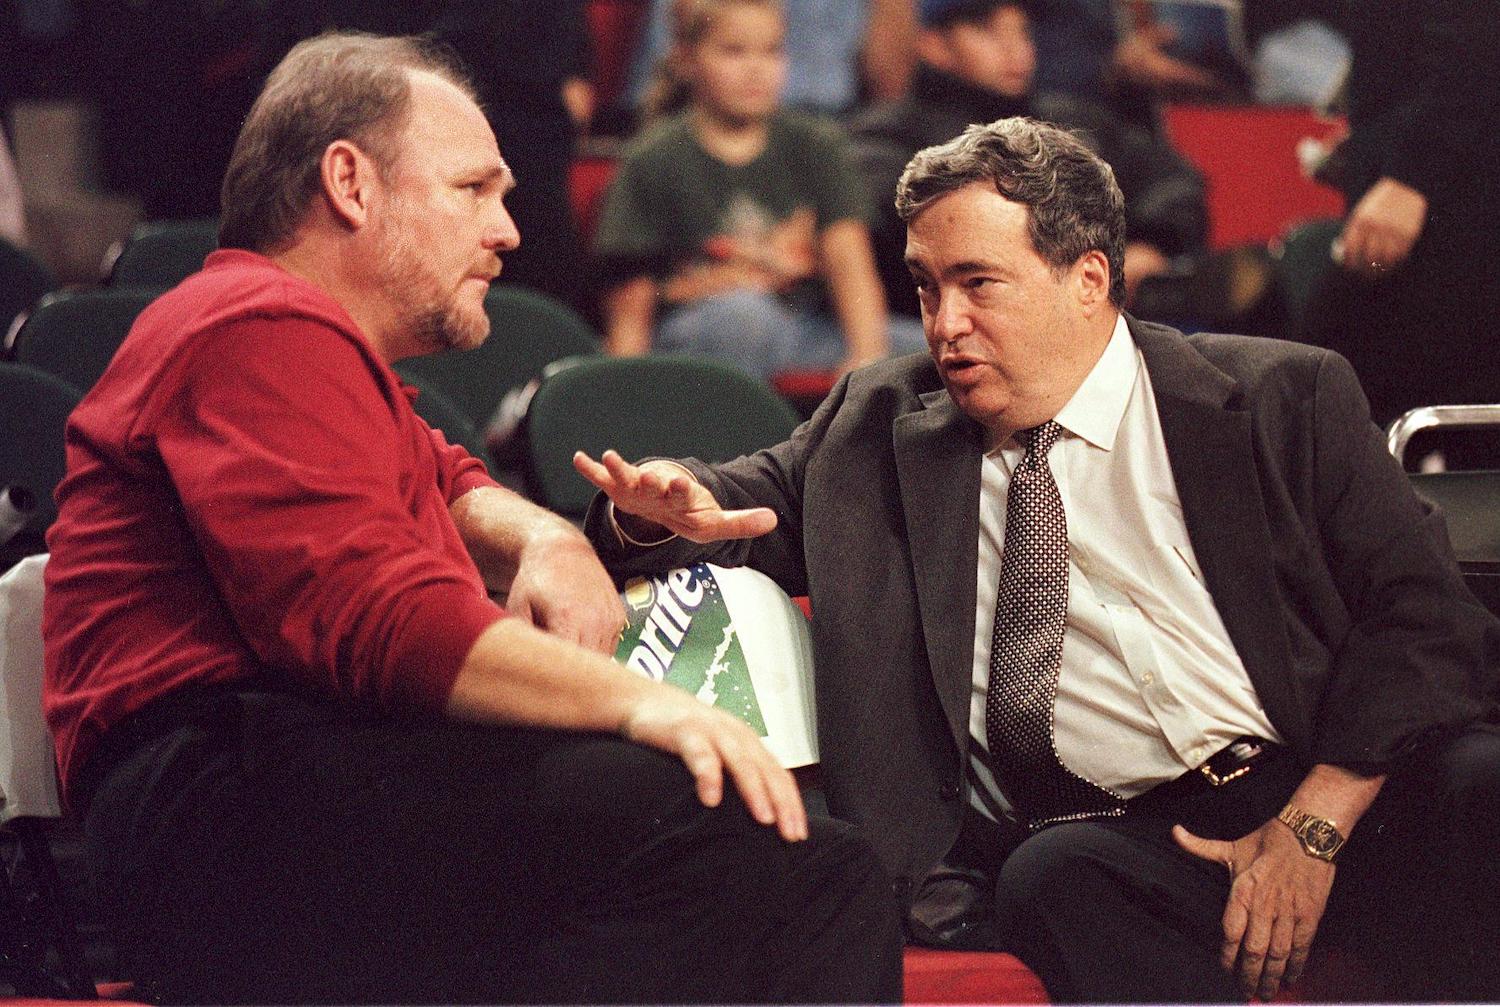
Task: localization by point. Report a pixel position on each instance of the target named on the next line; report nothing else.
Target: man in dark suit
(1120, 635)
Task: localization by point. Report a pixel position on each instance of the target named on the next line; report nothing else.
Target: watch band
(1320, 837)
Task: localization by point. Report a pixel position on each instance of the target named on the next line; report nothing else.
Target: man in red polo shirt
(316, 761)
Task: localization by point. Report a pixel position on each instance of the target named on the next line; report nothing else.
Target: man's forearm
(498, 525)
(517, 674)
(1337, 794)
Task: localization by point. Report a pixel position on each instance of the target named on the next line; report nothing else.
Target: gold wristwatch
(1320, 837)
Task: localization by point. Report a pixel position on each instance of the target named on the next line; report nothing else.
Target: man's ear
(348, 176)
(1091, 276)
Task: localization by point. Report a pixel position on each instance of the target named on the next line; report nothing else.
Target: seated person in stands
(1119, 634)
(733, 224)
(315, 762)
(976, 64)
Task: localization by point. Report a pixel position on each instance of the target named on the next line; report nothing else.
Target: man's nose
(502, 234)
(947, 319)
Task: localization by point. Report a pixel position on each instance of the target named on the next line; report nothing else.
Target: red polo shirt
(248, 488)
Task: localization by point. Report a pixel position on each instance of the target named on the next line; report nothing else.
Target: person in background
(977, 63)
(314, 760)
(839, 52)
(12, 203)
(1415, 302)
(735, 228)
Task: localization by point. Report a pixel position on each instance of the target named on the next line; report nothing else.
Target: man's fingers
(769, 791)
(1278, 953)
(624, 474)
(1236, 920)
(1253, 951)
(702, 760)
(719, 525)
(1216, 850)
(592, 471)
(750, 780)
(1303, 932)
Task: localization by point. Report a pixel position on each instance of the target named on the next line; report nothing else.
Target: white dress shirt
(1150, 684)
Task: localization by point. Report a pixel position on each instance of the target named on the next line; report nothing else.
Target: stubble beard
(438, 321)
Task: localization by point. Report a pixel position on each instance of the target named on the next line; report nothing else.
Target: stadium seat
(73, 335)
(23, 281)
(1469, 499)
(34, 411)
(653, 405)
(527, 332)
(163, 253)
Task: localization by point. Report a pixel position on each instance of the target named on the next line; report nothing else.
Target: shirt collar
(1097, 407)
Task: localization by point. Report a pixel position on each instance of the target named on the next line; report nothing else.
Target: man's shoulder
(1258, 367)
(233, 291)
(895, 385)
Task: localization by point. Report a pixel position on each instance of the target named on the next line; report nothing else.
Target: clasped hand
(666, 495)
(1277, 896)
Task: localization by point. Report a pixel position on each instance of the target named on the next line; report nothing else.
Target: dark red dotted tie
(1026, 650)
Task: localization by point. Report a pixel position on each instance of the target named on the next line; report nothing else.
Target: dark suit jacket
(1336, 584)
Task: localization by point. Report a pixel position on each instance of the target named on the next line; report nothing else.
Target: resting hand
(711, 742)
(1276, 899)
(1381, 229)
(561, 587)
(666, 495)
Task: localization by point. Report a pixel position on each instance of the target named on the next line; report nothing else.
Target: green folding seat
(74, 334)
(669, 405)
(163, 253)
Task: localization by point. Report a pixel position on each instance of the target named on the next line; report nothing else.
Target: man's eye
(976, 282)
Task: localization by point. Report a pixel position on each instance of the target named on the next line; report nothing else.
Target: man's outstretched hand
(666, 495)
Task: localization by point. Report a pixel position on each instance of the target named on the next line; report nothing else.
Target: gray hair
(1074, 202)
(338, 86)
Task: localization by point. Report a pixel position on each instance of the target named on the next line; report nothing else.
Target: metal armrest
(1411, 422)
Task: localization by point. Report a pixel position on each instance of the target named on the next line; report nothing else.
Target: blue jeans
(757, 333)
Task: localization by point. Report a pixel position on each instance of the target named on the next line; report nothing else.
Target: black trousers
(254, 847)
(1112, 910)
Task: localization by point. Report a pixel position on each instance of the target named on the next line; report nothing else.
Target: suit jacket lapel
(1208, 436)
(938, 453)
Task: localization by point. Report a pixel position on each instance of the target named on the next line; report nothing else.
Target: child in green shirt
(734, 226)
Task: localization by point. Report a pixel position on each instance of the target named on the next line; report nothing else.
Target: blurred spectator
(737, 222)
(1302, 62)
(12, 213)
(1415, 304)
(1127, 54)
(837, 51)
(977, 63)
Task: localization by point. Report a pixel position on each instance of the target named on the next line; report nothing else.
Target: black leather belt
(1235, 761)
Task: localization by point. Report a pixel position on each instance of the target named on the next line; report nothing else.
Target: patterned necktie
(1026, 649)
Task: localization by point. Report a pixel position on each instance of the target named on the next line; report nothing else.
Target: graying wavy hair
(1076, 205)
(338, 86)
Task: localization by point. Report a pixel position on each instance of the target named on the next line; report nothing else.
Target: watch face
(1320, 836)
